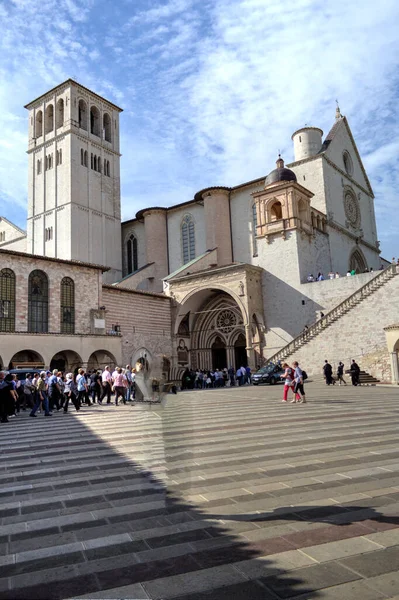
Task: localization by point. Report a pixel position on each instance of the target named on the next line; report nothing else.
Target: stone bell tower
(74, 177)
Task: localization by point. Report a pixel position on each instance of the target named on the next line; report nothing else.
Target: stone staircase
(367, 379)
(336, 313)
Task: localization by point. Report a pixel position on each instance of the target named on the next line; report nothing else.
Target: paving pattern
(224, 494)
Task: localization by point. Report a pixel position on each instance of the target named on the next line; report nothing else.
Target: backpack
(304, 375)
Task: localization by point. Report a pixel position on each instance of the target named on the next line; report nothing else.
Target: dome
(280, 174)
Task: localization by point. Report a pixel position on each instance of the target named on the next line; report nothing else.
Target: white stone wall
(241, 203)
(174, 221)
(310, 174)
(357, 333)
(335, 150)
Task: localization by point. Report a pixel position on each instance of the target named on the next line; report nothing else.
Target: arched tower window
(108, 169)
(67, 305)
(86, 159)
(49, 125)
(95, 121)
(254, 226)
(348, 164)
(91, 160)
(107, 127)
(39, 124)
(276, 211)
(82, 115)
(82, 160)
(188, 238)
(302, 210)
(95, 163)
(7, 300)
(59, 119)
(38, 302)
(99, 164)
(132, 254)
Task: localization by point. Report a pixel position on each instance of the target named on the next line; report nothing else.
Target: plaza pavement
(224, 494)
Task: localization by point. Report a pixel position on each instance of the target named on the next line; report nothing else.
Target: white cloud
(211, 88)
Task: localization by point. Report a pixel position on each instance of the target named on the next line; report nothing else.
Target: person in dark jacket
(327, 370)
(355, 372)
(340, 373)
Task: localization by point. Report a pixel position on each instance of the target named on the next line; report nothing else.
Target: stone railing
(345, 306)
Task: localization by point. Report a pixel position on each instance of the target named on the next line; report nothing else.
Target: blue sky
(211, 89)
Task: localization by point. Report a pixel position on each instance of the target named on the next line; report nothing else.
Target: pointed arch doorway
(219, 353)
(240, 352)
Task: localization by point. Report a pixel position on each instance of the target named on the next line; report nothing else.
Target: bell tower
(74, 178)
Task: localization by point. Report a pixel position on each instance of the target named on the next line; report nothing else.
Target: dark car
(268, 374)
(22, 373)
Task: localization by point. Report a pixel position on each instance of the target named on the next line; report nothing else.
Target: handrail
(322, 323)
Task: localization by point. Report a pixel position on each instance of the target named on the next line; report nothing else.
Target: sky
(211, 89)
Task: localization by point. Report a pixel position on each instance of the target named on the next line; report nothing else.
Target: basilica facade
(231, 264)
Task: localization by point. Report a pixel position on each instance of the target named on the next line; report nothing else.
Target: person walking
(70, 393)
(128, 375)
(41, 397)
(288, 377)
(81, 386)
(54, 391)
(327, 370)
(120, 383)
(340, 373)
(95, 386)
(299, 390)
(5, 398)
(355, 372)
(106, 380)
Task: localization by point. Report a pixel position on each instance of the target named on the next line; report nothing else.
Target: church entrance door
(240, 353)
(219, 355)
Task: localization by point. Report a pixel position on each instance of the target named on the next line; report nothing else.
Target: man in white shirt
(106, 381)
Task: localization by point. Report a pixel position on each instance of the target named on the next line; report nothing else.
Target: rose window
(352, 210)
(226, 321)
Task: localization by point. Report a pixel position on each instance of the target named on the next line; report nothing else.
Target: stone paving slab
(265, 500)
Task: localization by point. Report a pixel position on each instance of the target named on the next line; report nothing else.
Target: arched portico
(100, 359)
(26, 358)
(66, 361)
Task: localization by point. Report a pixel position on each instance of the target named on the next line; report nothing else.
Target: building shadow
(97, 518)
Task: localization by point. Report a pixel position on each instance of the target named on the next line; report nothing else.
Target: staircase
(367, 379)
(336, 313)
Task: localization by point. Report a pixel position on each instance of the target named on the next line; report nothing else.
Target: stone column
(394, 367)
(250, 350)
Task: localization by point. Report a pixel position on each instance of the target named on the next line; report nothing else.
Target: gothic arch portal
(357, 261)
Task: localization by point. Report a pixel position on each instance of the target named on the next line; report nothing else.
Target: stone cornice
(344, 174)
(342, 229)
(218, 271)
(283, 185)
(69, 131)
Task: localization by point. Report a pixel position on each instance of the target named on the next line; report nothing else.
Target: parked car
(268, 374)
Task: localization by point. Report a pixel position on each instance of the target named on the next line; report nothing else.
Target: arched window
(95, 121)
(95, 162)
(108, 169)
(99, 164)
(59, 118)
(276, 211)
(86, 159)
(188, 239)
(39, 166)
(39, 124)
(318, 222)
(107, 127)
(7, 300)
(82, 160)
(82, 109)
(254, 231)
(67, 305)
(91, 160)
(348, 164)
(302, 211)
(38, 302)
(132, 254)
(49, 125)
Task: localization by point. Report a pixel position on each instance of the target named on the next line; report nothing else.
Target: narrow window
(132, 254)
(59, 119)
(67, 305)
(95, 162)
(49, 126)
(39, 166)
(82, 115)
(82, 160)
(95, 121)
(99, 164)
(108, 169)
(39, 124)
(7, 300)
(254, 230)
(60, 156)
(107, 127)
(188, 238)
(91, 160)
(38, 302)
(86, 159)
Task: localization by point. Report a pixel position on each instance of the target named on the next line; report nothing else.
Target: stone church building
(218, 280)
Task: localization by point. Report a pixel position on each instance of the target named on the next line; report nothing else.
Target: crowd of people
(350, 273)
(47, 391)
(215, 378)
